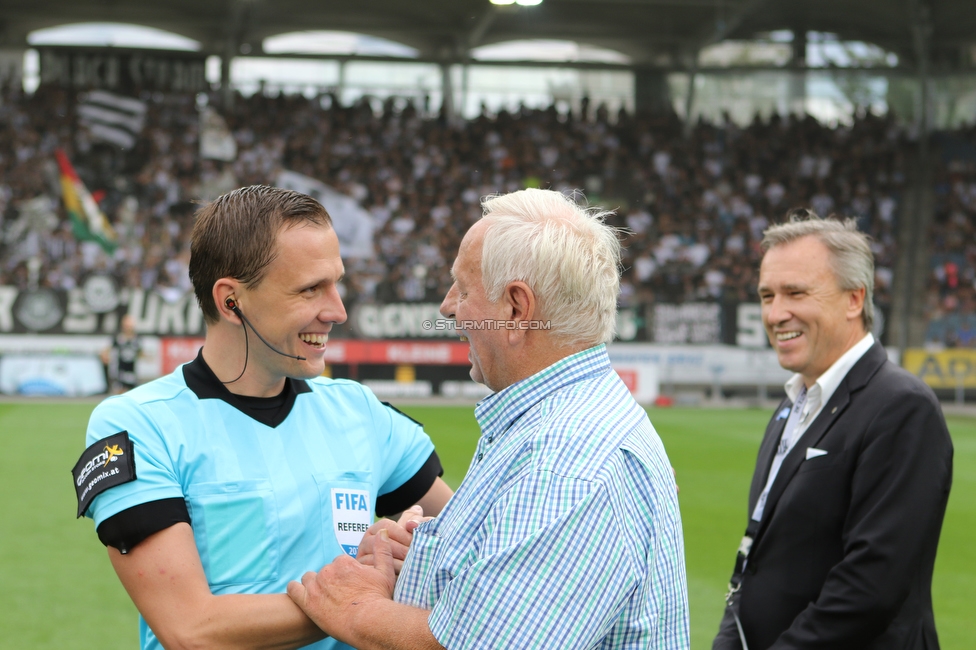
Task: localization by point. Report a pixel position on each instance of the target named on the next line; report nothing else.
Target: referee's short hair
(236, 236)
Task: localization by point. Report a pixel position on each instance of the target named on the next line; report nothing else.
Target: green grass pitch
(59, 590)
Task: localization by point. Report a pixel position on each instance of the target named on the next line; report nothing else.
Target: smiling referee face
(293, 307)
(297, 303)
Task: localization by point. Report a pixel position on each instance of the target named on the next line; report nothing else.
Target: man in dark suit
(853, 474)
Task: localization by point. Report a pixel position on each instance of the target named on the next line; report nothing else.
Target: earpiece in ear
(232, 305)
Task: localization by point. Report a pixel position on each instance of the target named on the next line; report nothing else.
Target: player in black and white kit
(120, 359)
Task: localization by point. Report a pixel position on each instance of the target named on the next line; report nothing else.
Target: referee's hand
(400, 533)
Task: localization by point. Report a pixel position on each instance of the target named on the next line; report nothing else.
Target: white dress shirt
(816, 397)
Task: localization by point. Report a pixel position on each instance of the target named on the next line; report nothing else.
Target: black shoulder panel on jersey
(390, 406)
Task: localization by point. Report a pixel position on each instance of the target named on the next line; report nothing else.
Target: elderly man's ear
(522, 301)
(521, 306)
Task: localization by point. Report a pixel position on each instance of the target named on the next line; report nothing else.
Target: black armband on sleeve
(412, 491)
(126, 529)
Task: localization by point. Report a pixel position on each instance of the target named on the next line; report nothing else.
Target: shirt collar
(828, 382)
(497, 412)
(270, 411)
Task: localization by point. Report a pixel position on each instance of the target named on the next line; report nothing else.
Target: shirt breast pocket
(235, 525)
(347, 507)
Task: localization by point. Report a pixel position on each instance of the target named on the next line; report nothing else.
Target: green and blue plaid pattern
(565, 532)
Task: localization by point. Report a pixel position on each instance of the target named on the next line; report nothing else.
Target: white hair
(565, 253)
(850, 251)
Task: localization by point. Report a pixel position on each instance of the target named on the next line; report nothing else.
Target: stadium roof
(656, 33)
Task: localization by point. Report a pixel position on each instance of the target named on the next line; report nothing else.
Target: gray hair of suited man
(851, 258)
(564, 252)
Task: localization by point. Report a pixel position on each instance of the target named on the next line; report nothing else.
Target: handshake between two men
(347, 597)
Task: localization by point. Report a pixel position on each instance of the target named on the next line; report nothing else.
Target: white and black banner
(693, 322)
(216, 140)
(122, 70)
(112, 118)
(353, 224)
(95, 308)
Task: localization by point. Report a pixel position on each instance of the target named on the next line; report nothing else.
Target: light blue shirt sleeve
(155, 476)
(403, 445)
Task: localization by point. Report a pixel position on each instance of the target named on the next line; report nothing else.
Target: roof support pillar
(341, 84)
(919, 205)
(447, 92)
(798, 76)
(651, 91)
(690, 98)
(226, 90)
(235, 30)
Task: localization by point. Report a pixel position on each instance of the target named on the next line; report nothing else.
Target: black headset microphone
(245, 323)
(232, 305)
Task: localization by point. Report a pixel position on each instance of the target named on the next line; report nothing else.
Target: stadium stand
(951, 295)
(694, 207)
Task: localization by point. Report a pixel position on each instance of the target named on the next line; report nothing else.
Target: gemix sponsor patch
(351, 516)
(107, 463)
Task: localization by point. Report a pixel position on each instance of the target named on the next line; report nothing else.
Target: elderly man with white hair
(565, 532)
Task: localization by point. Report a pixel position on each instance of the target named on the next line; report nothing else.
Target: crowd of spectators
(951, 296)
(694, 201)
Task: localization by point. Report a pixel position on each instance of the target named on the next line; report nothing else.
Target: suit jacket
(844, 554)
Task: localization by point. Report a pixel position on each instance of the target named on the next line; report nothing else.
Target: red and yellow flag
(87, 221)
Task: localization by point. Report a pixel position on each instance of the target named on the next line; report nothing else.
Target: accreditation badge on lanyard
(351, 517)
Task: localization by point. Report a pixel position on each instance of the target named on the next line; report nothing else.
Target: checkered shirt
(565, 532)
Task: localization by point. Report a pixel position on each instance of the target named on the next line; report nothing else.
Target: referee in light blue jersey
(216, 485)
(565, 532)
